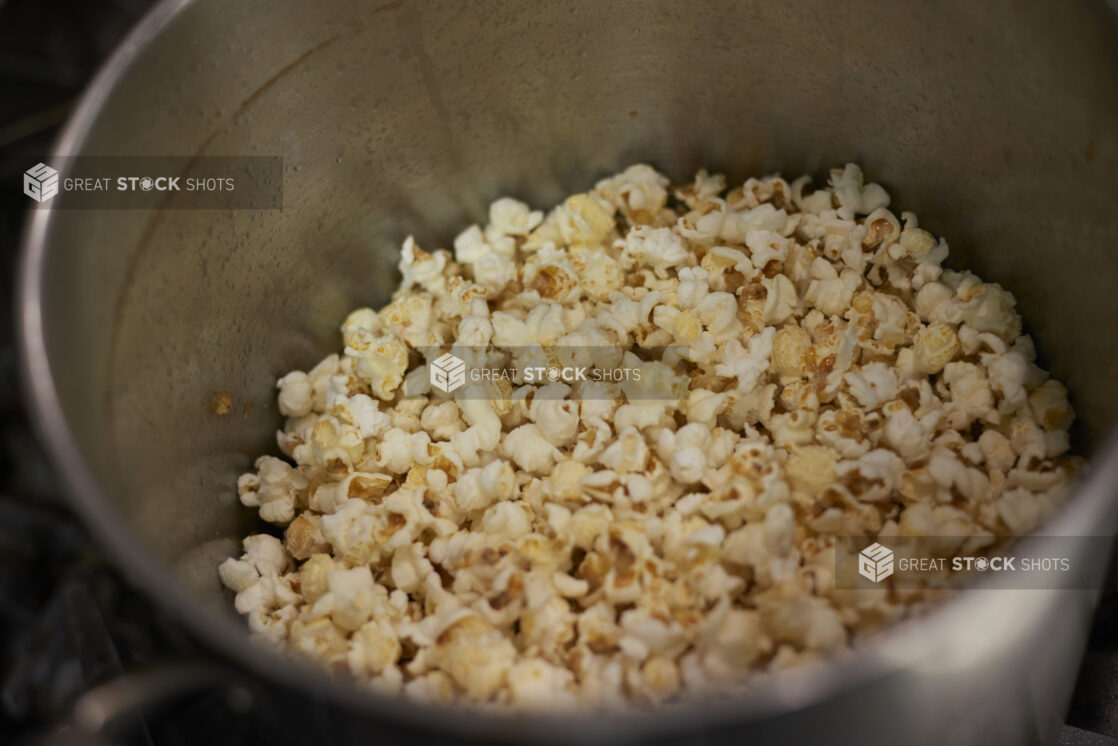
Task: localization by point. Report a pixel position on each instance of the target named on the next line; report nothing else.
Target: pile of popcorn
(555, 545)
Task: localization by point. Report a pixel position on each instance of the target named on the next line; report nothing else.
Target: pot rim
(783, 692)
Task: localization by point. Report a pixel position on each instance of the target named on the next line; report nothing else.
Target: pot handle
(106, 711)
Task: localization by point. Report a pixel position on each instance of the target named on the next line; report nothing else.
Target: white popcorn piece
(353, 595)
(814, 202)
(296, 397)
(277, 489)
(237, 574)
(508, 217)
(266, 554)
(585, 219)
(1049, 406)
(829, 291)
(904, 433)
(628, 453)
(481, 487)
(363, 413)
(658, 248)
(380, 360)
(475, 655)
(935, 346)
(638, 191)
(748, 364)
(507, 520)
(556, 419)
(527, 447)
(409, 568)
(423, 269)
(372, 650)
(780, 300)
(811, 469)
(872, 385)
(855, 195)
(873, 476)
(766, 247)
(267, 594)
(971, 395)
(470, 246)
(537, 684)
(1007, 374)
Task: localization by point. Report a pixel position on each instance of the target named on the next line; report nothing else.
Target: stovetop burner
(67, 621)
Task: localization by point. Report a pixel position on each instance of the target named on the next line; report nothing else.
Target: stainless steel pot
(996, 121)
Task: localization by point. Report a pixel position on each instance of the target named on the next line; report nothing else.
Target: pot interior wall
(995, 122)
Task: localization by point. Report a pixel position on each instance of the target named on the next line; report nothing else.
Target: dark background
(67, 622)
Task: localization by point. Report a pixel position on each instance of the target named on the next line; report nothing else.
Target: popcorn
(268, 593)
(807, 622)
(527, 447)
(362, 412)
(352, 592)
(904, 433)
(872, 384)
(1049, 407)
(475, 655)
(420, 268)
(655, 247)
(780, 299)
(266, 554)
(790, 348)
(935, 346)
(930, 299)
(380, 360)
(639, 192)
(808, 369)
(748, 364)
(319, 638)
(304, 537)
(970, 395)
(556, 419)
(278, 488)
(330, 496)
(812, 203)
(296, 397)
(507, 520)
(409, 568)
(508, 217)
(628, 453)
(872, 476)
(990, 309)
(238, 575)
(313, 575)
(585, 219)
(1007, 379)
(829, 291)
(811, 469)
(399, 450)
(480, 487)
(704, 224)
(372, 650)
(853, 194)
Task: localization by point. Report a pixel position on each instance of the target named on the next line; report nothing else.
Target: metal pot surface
(997, 122)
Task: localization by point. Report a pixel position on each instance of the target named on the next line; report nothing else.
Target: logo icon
(40, 182)
(448, 373)
(875, 562)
